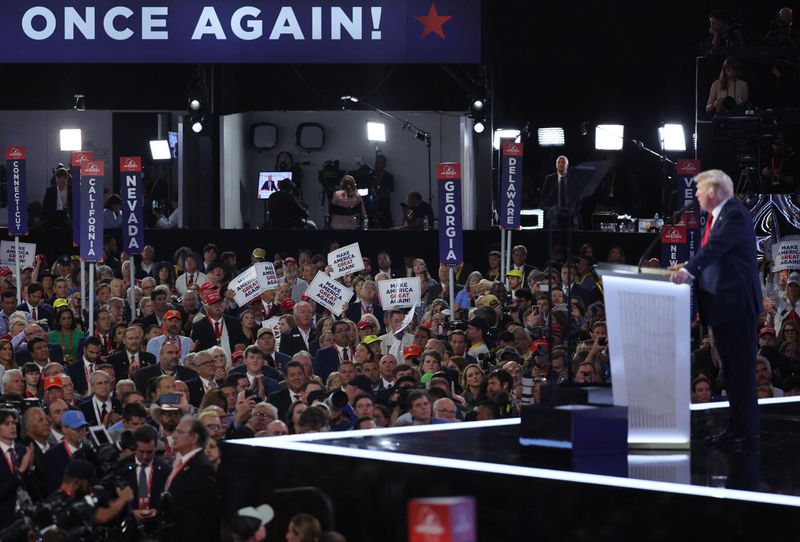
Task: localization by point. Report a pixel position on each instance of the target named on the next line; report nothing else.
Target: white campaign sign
(246, 286)
(786, 253)
(267, 277)
(27, 253)
(274, 324)
(346, 260)
(399, 293)
(329, 293)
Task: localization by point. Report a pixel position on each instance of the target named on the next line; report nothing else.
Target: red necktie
(103, 414)
(217, 329)
(191, 279)
(707, 233)
(12, 459)
(33, 314)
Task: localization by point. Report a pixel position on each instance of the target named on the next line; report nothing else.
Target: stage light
(584, 128)
(479, 127)
(71, 139)
(672, 137)
(477, 105)
(197, 126)
(609, 137)
(551, 137)
(505, 133)
(194, 104)
(80, 103)
(160, 150)
(376, 132)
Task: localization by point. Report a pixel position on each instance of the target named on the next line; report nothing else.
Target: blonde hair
(714, 180)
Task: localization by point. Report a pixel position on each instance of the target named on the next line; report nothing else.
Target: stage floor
(703, 481)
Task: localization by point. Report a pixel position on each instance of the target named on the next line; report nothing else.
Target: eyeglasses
(213, 427)
(263, 415)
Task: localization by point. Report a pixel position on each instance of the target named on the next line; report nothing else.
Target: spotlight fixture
(609, 137)
(80, 103)
(194, 104)
(479, 127)
(160, 150)
(197, 124)
(477, 104)
(376, 132)
(551, 137)
(584, 128)
(672, 137)
(505, 133)
(70, 139)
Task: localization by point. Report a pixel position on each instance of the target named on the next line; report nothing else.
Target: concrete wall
(346, 141)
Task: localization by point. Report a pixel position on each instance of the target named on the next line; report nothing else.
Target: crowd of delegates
(189, 368)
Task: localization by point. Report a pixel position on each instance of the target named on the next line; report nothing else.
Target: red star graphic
(433, 22)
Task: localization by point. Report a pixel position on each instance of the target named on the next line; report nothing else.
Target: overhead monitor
(268, 182)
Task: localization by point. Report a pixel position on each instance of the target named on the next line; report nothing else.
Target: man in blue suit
(729, 297)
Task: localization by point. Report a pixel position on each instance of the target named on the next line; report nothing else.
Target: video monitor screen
(268, 182)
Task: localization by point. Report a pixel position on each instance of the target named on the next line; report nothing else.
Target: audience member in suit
(167, 365)
(36, 426)
(368, 304)
(148, 486)
(302, 335)
(73, 427)
(193, 486)
(14, 468)
(254, 366)
(57, 204)
(206, 369)
(557, 197)
(54, 355)
(97, 407)
(34, 305)
(132, 355)
(384, 265)
(729, 299)
(327, 359)
(265, 307)
(81, 370)
(217, 328)
(295, 378)
(266, 342)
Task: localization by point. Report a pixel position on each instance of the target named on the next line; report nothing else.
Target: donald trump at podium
(729, 298)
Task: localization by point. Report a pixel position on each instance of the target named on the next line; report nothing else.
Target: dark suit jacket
(121, 363)
(52, 217)
(292, 342)
(282, 401)
(56, 355)
(203, 332)
(87, 408)
(144, 375)
(56, 460)
(726, 268)
(196, 507)
(160, 474)
(355, 313)
(271, 377)
(327, 361)
(548, 196)
(9, 483)
(78, 374)
(43, 311)
(36, 482)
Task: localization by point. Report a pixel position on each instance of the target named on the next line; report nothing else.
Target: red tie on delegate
(707, 233)
(217, 330)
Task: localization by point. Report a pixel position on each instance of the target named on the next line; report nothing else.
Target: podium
(648, 321)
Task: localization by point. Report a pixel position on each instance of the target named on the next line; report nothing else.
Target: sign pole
(502, 253)
(451, 271)
(91, 299)
(132, 293)
(508, 257)
(83, 287)
(16, 269)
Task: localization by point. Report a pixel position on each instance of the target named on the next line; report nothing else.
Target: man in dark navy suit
(146, 475)
(34, 305)
(14, 465)
(729, 297)
(328, 359)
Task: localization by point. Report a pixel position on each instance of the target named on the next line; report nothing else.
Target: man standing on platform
(554, 197)
(729, 297)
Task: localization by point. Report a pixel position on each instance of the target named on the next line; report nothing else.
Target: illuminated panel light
(764, 401)
(71, 139)
(376, 131)
(551, 137)
(305, 443)
(160, 149)
(672, 137)
(609, 137)
(538, 213)
(505, 133)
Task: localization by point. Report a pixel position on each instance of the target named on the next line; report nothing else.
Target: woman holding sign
(347, 206)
